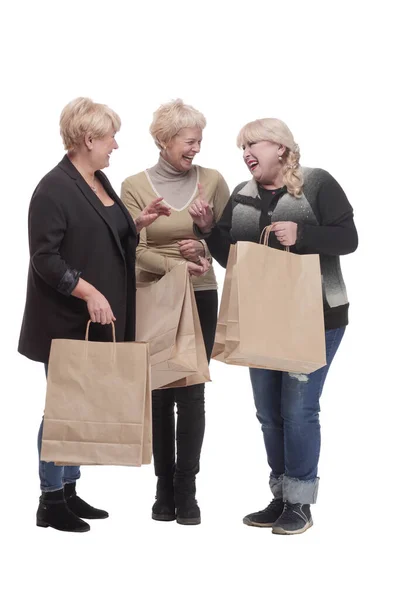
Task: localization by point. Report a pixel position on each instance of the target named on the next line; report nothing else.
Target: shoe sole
(44, 524)
(281, 531)
(92, 518)
(163, 517)
(195, 521)
(247, 521)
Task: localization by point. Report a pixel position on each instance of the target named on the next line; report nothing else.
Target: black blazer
(71, 234)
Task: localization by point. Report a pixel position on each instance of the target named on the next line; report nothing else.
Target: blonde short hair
(82, 116)
(170, 118)
(275, 130)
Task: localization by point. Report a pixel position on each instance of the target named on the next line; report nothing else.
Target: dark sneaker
(266, 517)
(296, 518)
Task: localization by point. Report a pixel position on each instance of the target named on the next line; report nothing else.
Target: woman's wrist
(138, 224)
(202, 242)
(209, 228)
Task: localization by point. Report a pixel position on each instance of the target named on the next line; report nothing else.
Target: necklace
(93, 187)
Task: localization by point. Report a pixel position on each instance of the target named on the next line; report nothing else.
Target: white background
(330, 70)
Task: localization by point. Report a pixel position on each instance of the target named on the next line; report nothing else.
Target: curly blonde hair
(275, 130)
(170, 118)
(82, 116)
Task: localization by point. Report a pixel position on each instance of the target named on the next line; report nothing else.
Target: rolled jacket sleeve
(47, 226)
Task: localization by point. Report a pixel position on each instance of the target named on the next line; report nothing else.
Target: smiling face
(101, 149)
(183, 147)
(263, 161)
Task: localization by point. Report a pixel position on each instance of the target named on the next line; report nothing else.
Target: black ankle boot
(54, 512)
(164, 506)
(79, 507)
(187, 509)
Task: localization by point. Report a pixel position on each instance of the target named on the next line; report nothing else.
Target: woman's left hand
(201, 212)
(286, 232)
(191, 249)
(154, 210)
(199, 268)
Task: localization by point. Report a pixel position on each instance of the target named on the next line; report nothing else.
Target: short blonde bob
(83, 117)
(275, 130)
(170, 118)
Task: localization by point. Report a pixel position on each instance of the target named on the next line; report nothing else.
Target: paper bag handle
(87, 331)
(264, 237)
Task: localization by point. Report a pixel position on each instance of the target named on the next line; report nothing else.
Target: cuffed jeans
(288, 409)
(51, 476)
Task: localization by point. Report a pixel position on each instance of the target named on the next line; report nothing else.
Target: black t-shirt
(269, 200)
(119, 219)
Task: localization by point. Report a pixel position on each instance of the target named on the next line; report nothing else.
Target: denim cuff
(275, 484)
(300, 491)
(51, 488)
(72, 479)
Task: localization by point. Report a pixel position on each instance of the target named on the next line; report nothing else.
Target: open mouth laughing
(252, 164)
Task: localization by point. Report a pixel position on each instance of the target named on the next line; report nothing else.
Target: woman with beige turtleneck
(177, 131)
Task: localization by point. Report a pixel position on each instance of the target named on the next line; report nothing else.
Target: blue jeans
(288, 408)
(52, 477)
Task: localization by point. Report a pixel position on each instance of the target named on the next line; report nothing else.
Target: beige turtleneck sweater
(158, 250)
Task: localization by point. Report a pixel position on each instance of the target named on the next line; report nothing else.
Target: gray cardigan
(325, 227)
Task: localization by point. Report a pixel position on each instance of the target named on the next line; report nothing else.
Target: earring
(279, 157)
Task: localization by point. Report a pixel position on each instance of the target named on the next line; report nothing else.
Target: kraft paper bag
(98, 403)
(202, 374)
(167, 318)
(271, 312)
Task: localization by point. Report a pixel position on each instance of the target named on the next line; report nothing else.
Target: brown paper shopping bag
(202, 374)
(218, 351)
(98, 403)
(271, 313)
(167, 318)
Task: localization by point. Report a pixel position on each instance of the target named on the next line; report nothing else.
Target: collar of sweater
(166, 171)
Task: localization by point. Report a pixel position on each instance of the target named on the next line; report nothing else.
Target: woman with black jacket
(82, 243)
(310, 213)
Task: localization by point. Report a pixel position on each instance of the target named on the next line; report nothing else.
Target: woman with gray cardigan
(309, 213)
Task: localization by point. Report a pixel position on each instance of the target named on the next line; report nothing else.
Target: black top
(119, 220)
(269, 200)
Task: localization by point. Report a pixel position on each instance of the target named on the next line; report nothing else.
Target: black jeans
(190, 409)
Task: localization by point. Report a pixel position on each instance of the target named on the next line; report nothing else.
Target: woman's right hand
(155, 209)
(199, 268)
(99, 308)
(201, 212)
(97, 305)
